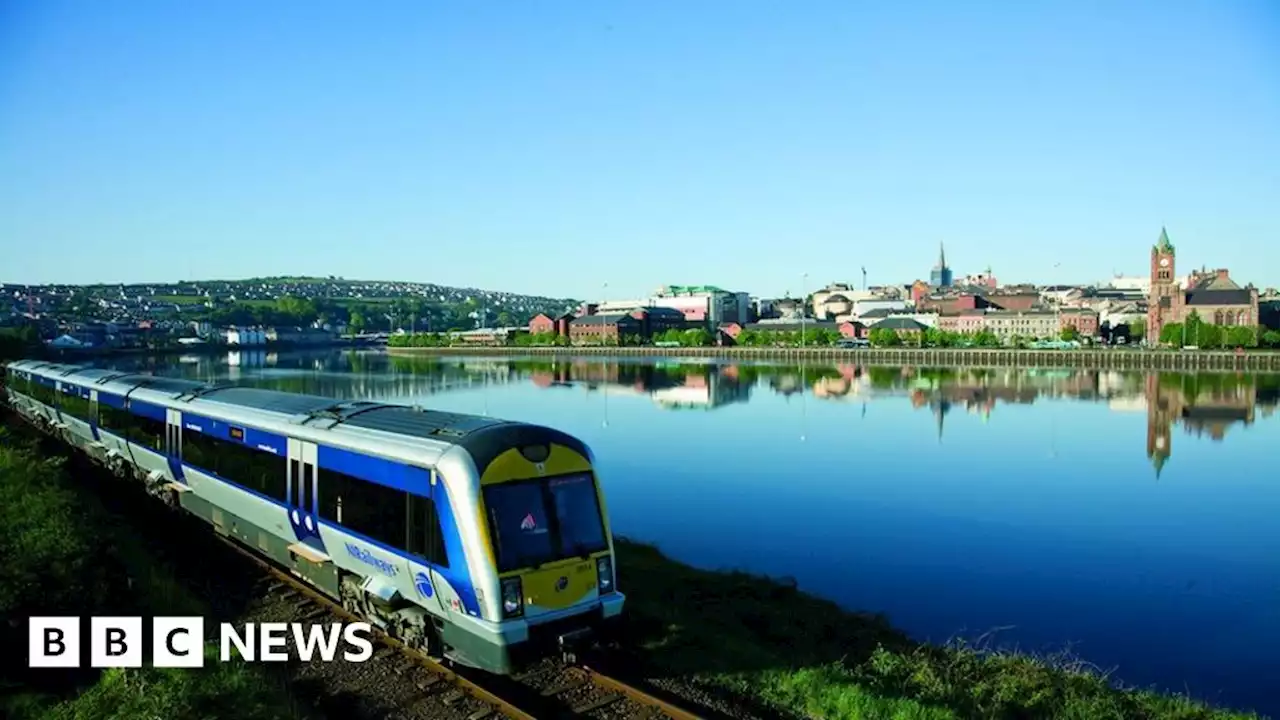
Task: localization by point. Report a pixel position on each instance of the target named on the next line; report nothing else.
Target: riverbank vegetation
(1196, 333)
(61, 554)
(797, 655)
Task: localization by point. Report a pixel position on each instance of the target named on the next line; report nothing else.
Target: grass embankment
(762, 639)
(62, 554)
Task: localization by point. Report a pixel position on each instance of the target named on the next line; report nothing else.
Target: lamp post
(604, 298)
(804, 305)
(1057, 308)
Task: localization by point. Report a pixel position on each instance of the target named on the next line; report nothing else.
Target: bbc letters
(55, 642)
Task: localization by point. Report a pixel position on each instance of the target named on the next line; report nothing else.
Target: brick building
(542, 324)
(1212, 295)
(603, 329)
(1085, 321)
(846, 329)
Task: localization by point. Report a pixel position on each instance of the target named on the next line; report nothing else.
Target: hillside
(300, 300)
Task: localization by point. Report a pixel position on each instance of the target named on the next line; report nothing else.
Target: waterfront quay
(1110, 359)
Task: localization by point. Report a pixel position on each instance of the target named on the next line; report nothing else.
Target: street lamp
(1057, 307)
(804, 305)
(604, 298)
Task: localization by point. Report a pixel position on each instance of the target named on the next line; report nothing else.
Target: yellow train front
(542, 530)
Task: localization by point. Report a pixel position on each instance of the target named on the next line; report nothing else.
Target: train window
(426, 538)
(73, 404)
(145, 431)
(198, 450)
(257, 470)
(148, 432)
(520, 524)
(580, 526)
(41, 392)
(368, 508)
(539, 521)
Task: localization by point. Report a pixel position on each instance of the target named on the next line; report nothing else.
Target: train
(479, 541)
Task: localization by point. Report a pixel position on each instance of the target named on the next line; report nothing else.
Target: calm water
(1128, 518)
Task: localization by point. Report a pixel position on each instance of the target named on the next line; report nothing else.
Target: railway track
(548, 690)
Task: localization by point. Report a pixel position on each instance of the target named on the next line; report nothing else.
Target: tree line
(1196, 332)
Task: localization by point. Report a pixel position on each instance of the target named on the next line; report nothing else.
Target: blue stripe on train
(417, 481)
(253, 438)
(387, 473)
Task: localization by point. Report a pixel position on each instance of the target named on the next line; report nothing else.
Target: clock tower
(1166, 299)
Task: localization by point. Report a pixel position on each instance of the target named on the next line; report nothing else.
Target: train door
(173, 443)
(303, 501)
(93, 415)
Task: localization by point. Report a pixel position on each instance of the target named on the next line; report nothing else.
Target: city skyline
(551, 151)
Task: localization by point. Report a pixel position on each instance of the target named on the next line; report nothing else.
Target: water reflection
(954, 500)
(1202, 404)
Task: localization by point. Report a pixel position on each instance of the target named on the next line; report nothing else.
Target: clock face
(1164, 262)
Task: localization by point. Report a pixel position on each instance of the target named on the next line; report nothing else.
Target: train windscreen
(534, 522)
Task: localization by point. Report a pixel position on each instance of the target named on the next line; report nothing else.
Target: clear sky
(552, 147)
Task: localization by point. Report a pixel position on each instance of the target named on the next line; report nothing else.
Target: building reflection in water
(1203, 404)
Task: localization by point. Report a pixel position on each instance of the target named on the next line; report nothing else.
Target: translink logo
(179, 642)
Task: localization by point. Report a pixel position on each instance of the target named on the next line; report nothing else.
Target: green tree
(506, 319)
(696, 337)
(985, 338)
(884, 337)
(1271, 338)
(295, 310)
(1172, 334)
(1069, 333)
(357, 322)
(1242, 336)
(1137, 330)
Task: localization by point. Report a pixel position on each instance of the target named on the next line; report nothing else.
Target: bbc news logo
(56, 642)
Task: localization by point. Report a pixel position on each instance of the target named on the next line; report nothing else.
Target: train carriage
(476, 539)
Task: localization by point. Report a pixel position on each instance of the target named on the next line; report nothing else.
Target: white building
(699, 303)
(862, 307)
(245, 337)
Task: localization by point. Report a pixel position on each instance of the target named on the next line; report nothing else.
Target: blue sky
(551, 147)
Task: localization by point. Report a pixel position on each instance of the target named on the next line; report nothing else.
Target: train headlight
(511, 597)
(604, 574)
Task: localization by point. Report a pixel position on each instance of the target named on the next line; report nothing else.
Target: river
(1129, 519)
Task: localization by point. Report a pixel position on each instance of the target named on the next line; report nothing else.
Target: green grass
(807, 657)
(55, 542)
(233, 691)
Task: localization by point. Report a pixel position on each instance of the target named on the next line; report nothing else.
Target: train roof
(361, 422)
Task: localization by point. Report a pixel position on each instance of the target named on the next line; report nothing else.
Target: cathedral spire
(942, 256)
(1163, 245)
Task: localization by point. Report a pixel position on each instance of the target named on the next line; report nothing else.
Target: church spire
(1163, 245)
(942, 256)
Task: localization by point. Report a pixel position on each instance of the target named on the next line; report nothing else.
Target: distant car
(852, 343)
(1190, 347)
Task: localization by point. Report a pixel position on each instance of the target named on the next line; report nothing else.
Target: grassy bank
(806, 657)
(61, 553)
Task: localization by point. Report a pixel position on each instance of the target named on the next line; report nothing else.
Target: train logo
(542, 468)
(423, 583)
(528, 523)
(562, 583)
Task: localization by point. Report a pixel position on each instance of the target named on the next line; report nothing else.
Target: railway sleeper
(597, 703)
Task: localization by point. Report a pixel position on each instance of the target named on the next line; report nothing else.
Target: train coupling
(573, 642)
